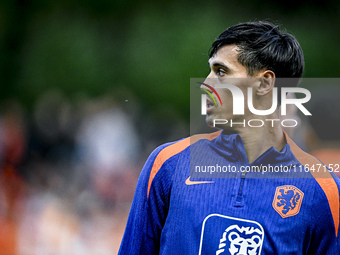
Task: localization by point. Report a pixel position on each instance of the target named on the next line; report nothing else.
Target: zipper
(243, 177)
(239, 198)
(238, 202)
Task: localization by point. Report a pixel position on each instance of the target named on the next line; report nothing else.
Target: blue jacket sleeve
(325, 237)
(148, 213)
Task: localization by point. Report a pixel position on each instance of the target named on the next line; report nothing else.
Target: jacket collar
(231, 147)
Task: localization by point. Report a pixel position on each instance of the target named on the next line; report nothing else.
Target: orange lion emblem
(287, 200)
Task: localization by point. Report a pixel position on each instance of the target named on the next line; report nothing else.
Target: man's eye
(220, 72)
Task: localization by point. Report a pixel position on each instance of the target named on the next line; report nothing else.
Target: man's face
(226, 69)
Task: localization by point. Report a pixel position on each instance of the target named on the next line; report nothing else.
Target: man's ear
(267, 82)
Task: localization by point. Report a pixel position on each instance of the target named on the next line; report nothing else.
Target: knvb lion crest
(242, 240)
(287, 200)
(225, 235)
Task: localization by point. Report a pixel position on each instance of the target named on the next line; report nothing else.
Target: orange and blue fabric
(200, 195)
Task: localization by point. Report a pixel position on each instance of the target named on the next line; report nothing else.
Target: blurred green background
(89, 48)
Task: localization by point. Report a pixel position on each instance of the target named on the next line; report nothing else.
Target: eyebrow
(219, 64)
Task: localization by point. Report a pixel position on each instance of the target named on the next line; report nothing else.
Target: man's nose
(211, 76)
(209, 80)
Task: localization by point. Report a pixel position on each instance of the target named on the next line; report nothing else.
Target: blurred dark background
(90, 88)
(90, 48)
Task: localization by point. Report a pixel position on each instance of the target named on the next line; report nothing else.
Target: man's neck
(257, 140)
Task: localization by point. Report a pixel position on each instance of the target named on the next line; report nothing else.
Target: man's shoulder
(328, 184)
(166, 151)
(315, 166)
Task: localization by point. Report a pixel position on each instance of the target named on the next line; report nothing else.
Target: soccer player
(264, 195)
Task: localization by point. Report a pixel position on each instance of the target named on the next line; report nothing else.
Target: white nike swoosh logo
(188, 182)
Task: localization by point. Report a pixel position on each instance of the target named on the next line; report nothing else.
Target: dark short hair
(263, 45)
